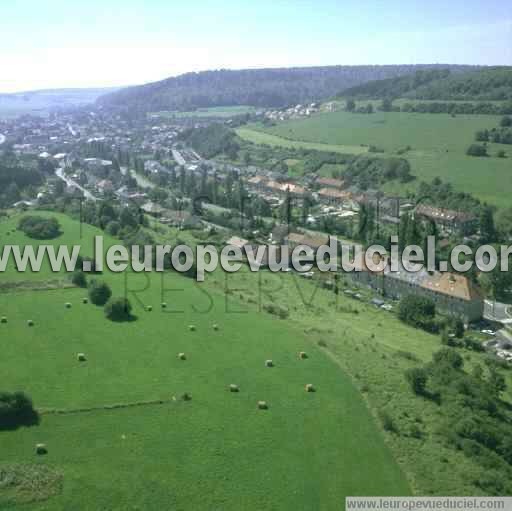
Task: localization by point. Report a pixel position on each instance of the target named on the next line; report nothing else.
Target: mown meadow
(119, 433)
(434, 144)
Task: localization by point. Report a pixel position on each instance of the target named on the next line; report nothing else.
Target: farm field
(258, 136)
(437, 142)
(71, 232)
(217, 111)
(216, 451)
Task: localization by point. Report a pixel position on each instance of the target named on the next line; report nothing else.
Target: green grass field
(258, 136)
(438, 144)
(217, 451)
(218, 111)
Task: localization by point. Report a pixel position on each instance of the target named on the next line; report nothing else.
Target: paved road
(178, 158)
(88, 195)
(496, 311)
(504, 335)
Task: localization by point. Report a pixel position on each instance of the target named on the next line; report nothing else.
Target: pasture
(258, 136)
(120, 434)
(437, 143)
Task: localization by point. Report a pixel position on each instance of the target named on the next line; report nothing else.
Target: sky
(93, 43)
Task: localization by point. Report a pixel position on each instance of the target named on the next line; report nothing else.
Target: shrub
(99, 292)
(417, 378)
(448, 356)
(16, 409)
(112, 228)
(407, 355)
(118, 309)
(477, 150)
(473, 344)
(387, 422)
(276, 310)
(415, 431)
(79, 279)
(506, 121)
(458, 328)
(40, 228)
(418, 311)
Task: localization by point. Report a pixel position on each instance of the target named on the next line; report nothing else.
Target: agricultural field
(259, 136)
(119, 433)
(217, 111)
(435, 145)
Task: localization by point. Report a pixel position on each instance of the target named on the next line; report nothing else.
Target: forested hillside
(489, 84)
(256, 87)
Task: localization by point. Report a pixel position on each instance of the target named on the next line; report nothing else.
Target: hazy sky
(75, 43)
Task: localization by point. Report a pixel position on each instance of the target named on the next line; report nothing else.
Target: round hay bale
(30, 322)
(262, 405)
(269, 363)
(41, 449)
(68, 305)
(310, 388)
(81, 357)
(303, 355)
(192, 328)
(149, 308)
(215, 326)
(85, 300)
(182, 356)
(234, 388)
(3, 319)
(164, 305)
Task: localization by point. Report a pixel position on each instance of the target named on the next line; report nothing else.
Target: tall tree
(487, 228)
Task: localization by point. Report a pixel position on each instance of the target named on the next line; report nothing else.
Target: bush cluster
(39, 228)
(16, 409)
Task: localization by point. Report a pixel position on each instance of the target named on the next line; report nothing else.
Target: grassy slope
(367, 343)
(9, 235)
(285, 140)
(306, 452)
(438, 143)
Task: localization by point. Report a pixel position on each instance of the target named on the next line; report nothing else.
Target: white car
(489, 332)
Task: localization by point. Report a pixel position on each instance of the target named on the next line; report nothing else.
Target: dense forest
(256, 87)
(212, 140)
(489, 84)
